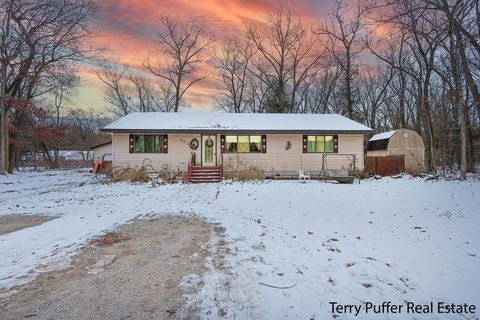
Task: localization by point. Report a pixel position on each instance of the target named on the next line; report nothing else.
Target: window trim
(334, 138)
(263, 143)
(163, 141)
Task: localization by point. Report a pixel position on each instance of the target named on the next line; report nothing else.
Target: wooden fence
(385, 166)
(62, 164)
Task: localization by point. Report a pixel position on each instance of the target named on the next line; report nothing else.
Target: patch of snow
(396, 240)
(383, 135)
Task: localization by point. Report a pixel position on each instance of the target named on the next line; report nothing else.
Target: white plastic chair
(303, 175)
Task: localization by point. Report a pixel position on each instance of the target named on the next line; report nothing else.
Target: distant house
(277, 144)
(103, 151)
(402, 142)
(72, 154)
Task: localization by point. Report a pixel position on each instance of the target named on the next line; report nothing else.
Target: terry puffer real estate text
(388, 307)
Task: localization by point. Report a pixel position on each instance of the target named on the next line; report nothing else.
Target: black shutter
(264, 143)
(131, 143)
(165, 143)
(222, 144)
(304, 143)
(335, 143)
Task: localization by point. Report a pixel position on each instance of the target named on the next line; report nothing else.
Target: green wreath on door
(209, 143)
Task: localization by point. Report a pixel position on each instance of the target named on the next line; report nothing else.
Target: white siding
(176, 159)
(277, 159)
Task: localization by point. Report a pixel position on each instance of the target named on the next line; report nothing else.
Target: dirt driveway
(136, 278)
(11, 223)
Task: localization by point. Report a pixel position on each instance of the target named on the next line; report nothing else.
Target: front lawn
(390, 239)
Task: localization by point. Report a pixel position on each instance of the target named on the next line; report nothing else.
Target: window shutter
(165, 143)
(222, 144)
(335, 143)
(304, 143)
(264, 143)
(131, 143)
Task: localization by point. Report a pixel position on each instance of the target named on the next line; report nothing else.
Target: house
(402, 142)
(277, 144)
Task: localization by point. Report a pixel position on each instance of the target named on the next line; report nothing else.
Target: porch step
(205, 170)
(205, 174)
(206, 167)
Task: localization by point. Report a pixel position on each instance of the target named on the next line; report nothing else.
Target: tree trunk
(348, 84)
(463, 135)
(459, 102)
(3, 124)
(466, 71)
(3, 137)
(11, 157)
(402, 100)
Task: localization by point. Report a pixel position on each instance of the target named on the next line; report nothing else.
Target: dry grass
(131, 174)
(141, 174)
(416, 172)
(250, 173)
(363, 174)
(242, 169)
(110, 238)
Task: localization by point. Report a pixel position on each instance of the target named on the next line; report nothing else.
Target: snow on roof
(218, 121)
(383, 135)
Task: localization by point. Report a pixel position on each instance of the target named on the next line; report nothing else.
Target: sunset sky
(127, 29)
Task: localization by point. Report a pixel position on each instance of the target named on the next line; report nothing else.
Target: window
(149, 143)
(378, 145)
(320, 144)
(243, 144)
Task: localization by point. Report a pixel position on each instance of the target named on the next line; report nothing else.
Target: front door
(209, 154)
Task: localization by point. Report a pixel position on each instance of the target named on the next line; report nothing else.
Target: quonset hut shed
(399, 142)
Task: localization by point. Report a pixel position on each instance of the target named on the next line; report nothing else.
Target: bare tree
(147, 96)
(461, 21)
(41, 34)
(322, 88)
(289, 55)
(373, 88)
(181, 44)
(166, 96)
(257, 93)
(114, 76)
(9, 50)
(84, 129)
(420, 33)
(67, 81)
(232, 65)
(344, 41)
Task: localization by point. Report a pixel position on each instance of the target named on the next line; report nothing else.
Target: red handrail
(191, 163)
(221, 165)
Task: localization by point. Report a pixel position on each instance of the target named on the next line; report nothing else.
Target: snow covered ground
(382, 240)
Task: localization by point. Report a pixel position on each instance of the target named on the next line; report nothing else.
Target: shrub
(363, 174)
(137, 174)
(416, 172)
(250, 173)
(242, 169)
